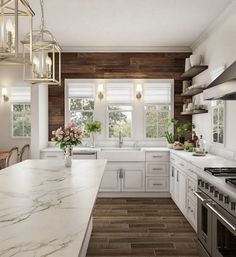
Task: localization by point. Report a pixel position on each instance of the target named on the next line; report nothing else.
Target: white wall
(219, 48)
(39, 119)
(9, 76)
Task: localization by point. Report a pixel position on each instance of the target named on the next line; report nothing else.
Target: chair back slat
(12, 157)
(24, 153)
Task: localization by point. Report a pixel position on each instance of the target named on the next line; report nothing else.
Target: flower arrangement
(70, 135)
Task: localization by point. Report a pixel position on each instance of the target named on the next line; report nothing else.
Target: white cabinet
(133, 179)
(183, 183)
(157, 171)
(181, 191)
(123, 177)
(172, 181)
(110, 181)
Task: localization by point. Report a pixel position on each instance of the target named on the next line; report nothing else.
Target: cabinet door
(176, 186)
(133, 179)
(110, 181)
(182, 191)
(172, 181)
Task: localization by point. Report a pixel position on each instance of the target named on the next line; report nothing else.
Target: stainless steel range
(216, 217)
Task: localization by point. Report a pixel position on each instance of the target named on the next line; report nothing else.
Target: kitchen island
(46, 209)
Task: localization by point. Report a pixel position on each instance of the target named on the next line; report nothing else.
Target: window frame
(107, 121)
(119, 104)
(12, 122)
(218, 144)
(82, 110)
(172, 104)
(145, 124)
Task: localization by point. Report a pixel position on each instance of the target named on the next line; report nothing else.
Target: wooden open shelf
(194, 112)
(192, 92)
(194, 71)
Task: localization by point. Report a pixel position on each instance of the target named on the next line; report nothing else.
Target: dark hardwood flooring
(140, 227)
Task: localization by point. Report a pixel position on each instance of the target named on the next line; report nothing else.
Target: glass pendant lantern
(11, 12)
(45, 67)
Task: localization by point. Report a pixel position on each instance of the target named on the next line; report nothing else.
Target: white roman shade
(81, 90)
(21, 94)
(119, 93)
(157, 93)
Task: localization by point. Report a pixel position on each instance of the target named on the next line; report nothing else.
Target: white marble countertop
(209, 161)
(45, 208)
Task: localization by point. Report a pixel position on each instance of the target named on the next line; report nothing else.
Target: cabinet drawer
(172, 158)
(157, 184)
(157, 156)
(156, 169)
(191, 169)
(52, 155)
(178, 162)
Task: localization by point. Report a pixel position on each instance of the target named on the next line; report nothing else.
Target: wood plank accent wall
(116, 66)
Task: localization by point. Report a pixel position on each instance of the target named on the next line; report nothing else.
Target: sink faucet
(120, 139)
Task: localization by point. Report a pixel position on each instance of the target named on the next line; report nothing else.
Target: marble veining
(45, 208)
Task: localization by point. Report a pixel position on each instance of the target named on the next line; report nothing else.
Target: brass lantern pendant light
(11, 12)
(45, 67)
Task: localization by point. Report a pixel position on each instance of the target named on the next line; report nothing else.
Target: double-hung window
(157, 108)
(218, 121)
(20, 108)
(81, 102)
(119, 109)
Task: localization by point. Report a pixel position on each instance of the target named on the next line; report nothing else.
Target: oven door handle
(211, 206)
(199, 196)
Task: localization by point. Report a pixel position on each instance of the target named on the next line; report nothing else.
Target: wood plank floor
(140, 227)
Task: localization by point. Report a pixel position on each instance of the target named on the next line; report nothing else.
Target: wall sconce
(100, 91)
(139, 91)
(4, 94)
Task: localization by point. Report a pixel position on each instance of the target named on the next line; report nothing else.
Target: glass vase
(68, 156)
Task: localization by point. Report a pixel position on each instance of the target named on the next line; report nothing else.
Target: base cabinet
(124, 177)
(157, 171)
(183, 183)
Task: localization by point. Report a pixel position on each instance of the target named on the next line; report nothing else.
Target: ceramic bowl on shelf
(187, 64)
(195, 60)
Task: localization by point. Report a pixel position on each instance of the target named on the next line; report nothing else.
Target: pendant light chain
(42, 12)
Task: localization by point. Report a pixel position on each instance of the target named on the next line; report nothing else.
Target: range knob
(226, 199)
(207, 186)
(199, 182)
(216, 194)
(221, 197)
(202, 183)
(211, 189)
(233, 206)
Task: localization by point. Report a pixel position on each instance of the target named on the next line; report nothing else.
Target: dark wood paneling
(117, 66)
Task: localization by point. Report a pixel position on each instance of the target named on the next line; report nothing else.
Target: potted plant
(183, 129)
(169, 135)
(92, 127)
(66, 138)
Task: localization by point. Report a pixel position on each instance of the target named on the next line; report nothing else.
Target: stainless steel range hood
(223, 87)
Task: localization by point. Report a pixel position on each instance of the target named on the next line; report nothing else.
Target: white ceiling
(128, 23)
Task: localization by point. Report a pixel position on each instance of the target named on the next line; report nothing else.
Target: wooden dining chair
(12, 157)
(24, 153)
